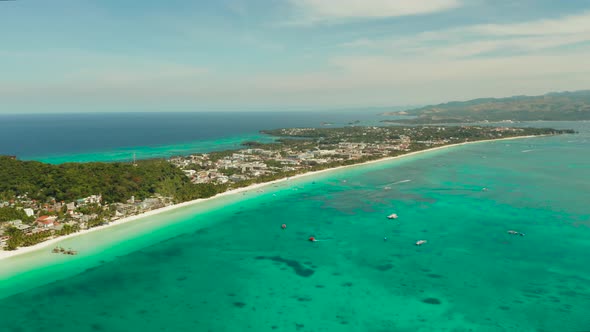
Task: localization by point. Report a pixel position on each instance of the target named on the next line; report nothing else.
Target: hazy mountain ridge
(557, 106)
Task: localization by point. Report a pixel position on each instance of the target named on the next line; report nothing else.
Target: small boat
(392, 216)
(515, 233)
(420, 242)
(56, 250)
(387, 188)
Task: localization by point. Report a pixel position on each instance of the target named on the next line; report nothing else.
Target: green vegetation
(68, 229)
(117, 182)
(273, 163)
(326, 138)
(11, 213)
(19, 239)
(567, 106)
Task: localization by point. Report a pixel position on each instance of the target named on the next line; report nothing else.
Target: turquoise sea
(228, 266)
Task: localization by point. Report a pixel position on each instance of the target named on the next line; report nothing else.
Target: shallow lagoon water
(230, 267)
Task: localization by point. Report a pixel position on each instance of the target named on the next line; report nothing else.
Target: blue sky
(173, 55)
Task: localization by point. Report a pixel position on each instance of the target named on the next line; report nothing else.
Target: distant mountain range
(558, 106)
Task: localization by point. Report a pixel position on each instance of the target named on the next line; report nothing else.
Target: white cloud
(428, 67)
(352, 81)
(473, 40)
(79, 65)
(313, 11)
(382, 81)
(435, 66)
(90, 78)
(573, 24)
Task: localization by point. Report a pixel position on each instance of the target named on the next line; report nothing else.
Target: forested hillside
(566, 106)
(116, 182)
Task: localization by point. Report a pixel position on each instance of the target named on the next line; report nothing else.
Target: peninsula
(39, 202)
(564, 106)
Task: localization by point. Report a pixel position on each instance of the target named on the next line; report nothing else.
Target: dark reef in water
(432, 300)
(96, 327)
(384, 267)
(239, 304)
(299, 269)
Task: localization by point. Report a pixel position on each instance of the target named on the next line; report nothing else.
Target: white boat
(420, 242)
(392, 216)
(515, 233)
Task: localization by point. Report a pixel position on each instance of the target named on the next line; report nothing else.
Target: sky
(197, 55)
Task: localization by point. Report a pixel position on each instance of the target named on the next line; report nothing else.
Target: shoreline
(37, 247)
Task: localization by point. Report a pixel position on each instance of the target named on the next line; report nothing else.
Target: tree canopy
(116, 182)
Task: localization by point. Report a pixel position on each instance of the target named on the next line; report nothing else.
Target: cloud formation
(347, 55)
(317, 11)
(467, 41)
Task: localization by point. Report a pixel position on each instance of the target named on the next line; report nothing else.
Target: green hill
(117, 182)
(564, 106)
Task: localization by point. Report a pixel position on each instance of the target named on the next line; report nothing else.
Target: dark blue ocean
(57, 138)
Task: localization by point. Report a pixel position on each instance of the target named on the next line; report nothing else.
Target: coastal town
(25, 221)
(306, 149)
(52, 219)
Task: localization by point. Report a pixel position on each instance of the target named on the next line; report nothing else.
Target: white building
(29, 212)
(190, 172)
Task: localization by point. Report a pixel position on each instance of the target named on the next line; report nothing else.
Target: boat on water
(392, 216)
(387, 188)
(515, 233)
(420, 242)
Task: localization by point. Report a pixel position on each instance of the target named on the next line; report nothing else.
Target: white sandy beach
(42, 245)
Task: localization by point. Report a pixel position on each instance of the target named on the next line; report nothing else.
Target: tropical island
(564, 106)
(39, 201)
